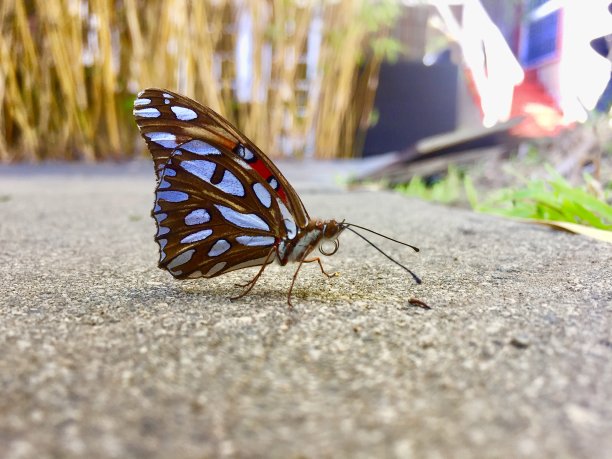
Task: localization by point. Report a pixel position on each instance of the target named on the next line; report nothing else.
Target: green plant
(448, 190)
(553, 199)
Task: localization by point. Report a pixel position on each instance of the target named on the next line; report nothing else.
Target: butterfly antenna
(414, 276)
(416, 249)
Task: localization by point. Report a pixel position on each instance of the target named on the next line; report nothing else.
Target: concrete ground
(103, 355)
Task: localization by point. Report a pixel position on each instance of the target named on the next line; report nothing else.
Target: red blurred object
(542, 116)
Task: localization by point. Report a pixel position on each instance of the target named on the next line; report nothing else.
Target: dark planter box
(413, 101)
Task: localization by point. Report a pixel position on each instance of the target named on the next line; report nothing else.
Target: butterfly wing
(188, 120)
(216, 210)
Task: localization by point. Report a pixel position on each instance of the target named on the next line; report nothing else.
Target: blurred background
(451, 93)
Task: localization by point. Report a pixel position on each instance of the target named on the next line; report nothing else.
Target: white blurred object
(244, 56)
(583, 74)
(495, 70)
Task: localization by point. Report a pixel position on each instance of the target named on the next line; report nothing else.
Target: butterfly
(220, 203)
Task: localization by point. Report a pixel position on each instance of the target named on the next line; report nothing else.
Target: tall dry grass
(69, 70)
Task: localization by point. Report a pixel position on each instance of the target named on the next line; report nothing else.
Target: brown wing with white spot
(212, 219)
(214, 210)
(160, 110)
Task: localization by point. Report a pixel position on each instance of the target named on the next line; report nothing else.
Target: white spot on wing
(202, 169)
(248, 154)
(198, 236)
(183, 113)
(195, 275)
(242, 163)
(147, 113)
(141, 102)
(245, 153)
(197, 217)
(200, 148)
(215, 269)
(291, 228)
(181, 259)
(172, 196)
(219, 247)
(253, 241)
(242, 220)
(163, 184)
(162, 243)
(160, 217)
(163, 230)
(165, 139)
(262, 194)
(169, 96)
(169, 172)
(230, 184)
(288, 220)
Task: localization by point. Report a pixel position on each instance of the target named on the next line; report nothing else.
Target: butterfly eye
(325, 248)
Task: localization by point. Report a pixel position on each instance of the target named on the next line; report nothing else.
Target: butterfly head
(330, 230)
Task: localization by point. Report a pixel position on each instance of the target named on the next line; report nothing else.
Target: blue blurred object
(602, 46)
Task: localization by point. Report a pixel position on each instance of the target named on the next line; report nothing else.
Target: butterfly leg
(250, 284)
(293, 282)
(318, 260)
(237, 284)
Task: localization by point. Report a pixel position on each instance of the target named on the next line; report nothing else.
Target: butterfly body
(220, 203)
(316, 234)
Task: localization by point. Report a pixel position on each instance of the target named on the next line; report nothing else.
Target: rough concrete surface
(103, 355)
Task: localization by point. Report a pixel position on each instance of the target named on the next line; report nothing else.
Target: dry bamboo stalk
(28, 142)
(69, 69)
